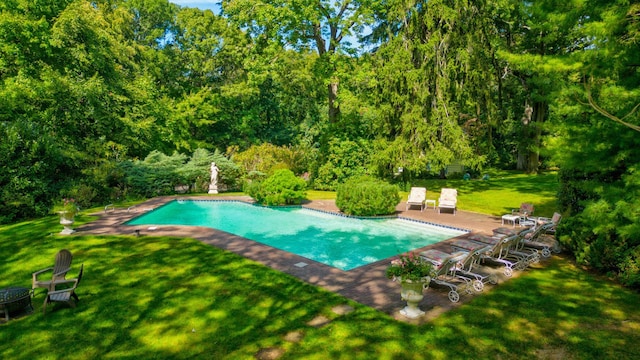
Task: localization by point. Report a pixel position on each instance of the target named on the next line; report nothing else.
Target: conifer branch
(608, 115)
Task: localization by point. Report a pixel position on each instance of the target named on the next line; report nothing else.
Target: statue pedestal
(213, 189)
(66, 224)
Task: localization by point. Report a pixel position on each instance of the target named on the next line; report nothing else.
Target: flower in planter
(68, 207)
(409, 267)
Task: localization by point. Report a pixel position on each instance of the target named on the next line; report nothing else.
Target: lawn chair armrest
(65, 281)
(59, 282)
(35, 274)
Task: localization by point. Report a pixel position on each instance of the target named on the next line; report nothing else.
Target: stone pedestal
(66, 224)
(412, 293)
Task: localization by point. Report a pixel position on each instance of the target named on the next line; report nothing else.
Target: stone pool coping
(367, 284)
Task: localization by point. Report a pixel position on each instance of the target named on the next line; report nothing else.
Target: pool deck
(367, 285)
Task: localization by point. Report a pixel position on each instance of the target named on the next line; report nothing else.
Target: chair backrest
(526, 208)
(556, 218)
(508, 243)
(418, 193)
(62, 264)
(533, 233)
(474, 256)
(448, 194)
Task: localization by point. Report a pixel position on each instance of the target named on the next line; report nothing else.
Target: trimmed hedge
(367, 196)
(281, 188)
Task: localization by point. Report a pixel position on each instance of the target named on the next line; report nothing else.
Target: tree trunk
(334, 109)
(523, 145)
(539, 115)
(529, 149)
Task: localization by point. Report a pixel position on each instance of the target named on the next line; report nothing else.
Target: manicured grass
(503, 192)
(321, 195)
(169, 298)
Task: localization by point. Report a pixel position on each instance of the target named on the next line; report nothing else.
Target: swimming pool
(342, 242)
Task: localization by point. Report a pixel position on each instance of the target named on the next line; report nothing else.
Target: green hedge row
(367, 196)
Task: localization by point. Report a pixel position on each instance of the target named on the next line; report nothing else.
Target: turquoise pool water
(338, 241)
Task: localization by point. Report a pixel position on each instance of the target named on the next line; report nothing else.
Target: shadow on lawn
(164, 297)
(556, 311)
(168, 297)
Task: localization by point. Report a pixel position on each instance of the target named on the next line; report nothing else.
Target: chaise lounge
(448, 200)
(417, 196)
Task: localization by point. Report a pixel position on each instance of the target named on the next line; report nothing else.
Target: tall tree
(152, 21)
(324, 25)
(434, 79)
(238, 90)
(598, 156)
(539, 30)
(75, 97)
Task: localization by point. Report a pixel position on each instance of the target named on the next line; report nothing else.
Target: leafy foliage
(267, 158)
(431, 90)
(322, 25)
(67, 207)
(598, 155)
(344, 159)
(159, 174)
(90, 87)
(367, 196)
(196, 171)
(409, 267)
(281, 188)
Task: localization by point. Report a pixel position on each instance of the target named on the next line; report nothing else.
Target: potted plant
(414, 275)
(67, 210)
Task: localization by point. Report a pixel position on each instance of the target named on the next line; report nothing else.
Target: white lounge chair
(551, 228)
(417, 196)
(448, 200)
(470, 266)
(443, 272)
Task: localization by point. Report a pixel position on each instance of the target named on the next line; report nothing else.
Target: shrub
(159, 174)
(197, 171)
(345, 159)
(268, 158)
(366, 196)
(281, 188)
(83, 195)
(602, 223)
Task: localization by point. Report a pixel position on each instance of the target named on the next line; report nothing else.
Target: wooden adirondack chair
(59, 270)
(58, 292)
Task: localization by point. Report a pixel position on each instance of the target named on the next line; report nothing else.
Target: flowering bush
(68, 207)
(409, 267)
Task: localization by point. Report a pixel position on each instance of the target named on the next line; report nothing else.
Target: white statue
(213, 186)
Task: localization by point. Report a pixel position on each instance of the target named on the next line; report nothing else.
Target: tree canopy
(332, 89)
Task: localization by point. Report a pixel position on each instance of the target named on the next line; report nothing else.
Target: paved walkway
(367, 285)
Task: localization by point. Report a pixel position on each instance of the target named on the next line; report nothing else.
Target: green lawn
(503, 192)
(169, 298)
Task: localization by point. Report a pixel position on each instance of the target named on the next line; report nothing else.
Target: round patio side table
(14, 298)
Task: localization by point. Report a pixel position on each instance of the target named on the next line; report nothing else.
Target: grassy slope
(177, 298)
